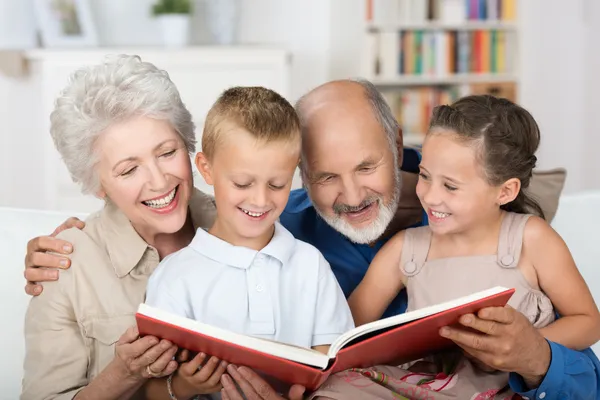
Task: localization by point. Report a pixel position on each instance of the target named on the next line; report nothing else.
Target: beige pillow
(546, 187)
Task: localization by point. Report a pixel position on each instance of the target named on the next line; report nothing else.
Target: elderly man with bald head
(360, 189)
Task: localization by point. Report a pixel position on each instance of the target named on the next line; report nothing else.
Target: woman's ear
(509, 191)
(204, 167)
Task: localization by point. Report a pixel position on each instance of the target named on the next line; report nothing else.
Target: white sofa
(577, 221)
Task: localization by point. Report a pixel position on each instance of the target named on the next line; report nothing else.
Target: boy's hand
(193, 378)
(37, 256)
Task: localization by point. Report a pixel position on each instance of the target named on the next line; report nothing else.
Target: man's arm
(505, 340)
(571, 375)
(38, 256)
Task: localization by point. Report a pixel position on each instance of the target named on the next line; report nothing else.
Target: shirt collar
(125, 247)
(280, 247)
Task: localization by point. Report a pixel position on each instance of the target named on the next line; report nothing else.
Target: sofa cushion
(546, 187)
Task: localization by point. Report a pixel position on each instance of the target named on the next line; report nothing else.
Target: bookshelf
(422, 53)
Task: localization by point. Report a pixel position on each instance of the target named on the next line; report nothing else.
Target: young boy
(248, 274)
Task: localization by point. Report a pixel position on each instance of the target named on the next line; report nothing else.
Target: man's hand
(253, 386)
(37, 256)
(505, 340)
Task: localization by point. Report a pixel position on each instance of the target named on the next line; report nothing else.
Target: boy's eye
(422, 175)
(241, 186)
(277, 187)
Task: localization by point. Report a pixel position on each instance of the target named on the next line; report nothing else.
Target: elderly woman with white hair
(126, 137)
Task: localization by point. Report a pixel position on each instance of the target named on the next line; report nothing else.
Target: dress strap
(414, 250)
(510, 241)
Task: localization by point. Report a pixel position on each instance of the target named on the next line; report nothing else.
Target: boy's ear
(204, 167)
(509, 191)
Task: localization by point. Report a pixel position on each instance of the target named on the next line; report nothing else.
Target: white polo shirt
(285, 292)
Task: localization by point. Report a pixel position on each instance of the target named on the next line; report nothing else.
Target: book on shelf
(396, 339)
(441, 11)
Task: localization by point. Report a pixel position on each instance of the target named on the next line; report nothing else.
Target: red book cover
(403, 337)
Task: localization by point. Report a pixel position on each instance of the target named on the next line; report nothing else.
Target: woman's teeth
(163, 202)
(253, 214)
(438, 214)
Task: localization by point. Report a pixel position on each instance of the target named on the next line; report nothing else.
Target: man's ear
(509, 191)
(204, 167)
(400, 146)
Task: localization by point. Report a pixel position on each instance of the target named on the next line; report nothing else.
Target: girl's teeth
(161, 203)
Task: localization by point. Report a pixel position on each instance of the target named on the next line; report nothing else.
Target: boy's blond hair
(263, 113)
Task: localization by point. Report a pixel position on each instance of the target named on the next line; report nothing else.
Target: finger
(33, 289)
(230, 389)
(191, 367)
(161, 363)
(504, 315)
(183, 356)
(48, 243)
(245, 386)
(215, 378)
(151, 354)
(130, 335)
(486, 326)
(72, 222)
(464, 339)
(262, 388)
(207, 370)
(296, 392)
(40, 274)
(48, 260)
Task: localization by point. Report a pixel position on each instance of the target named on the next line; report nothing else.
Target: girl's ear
(509, 191)
(204, 167)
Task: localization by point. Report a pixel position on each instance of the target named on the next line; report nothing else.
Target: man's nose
(351, 191)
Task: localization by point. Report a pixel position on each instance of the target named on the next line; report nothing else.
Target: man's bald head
(350, 163)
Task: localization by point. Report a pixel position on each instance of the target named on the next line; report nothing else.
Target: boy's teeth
(160, 203)
(252, 214)
(439, 214)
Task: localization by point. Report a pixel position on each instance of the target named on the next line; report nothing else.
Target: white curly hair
(98, 96)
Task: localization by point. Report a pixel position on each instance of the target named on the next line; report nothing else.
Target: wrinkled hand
(194, 378)
(253, 386)
(37, 256)
(504, 340)
(142, 358)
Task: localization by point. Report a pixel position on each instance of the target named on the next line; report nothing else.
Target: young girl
(477, 160)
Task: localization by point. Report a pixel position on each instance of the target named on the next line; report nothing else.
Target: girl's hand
(193, 378)
(142, 358)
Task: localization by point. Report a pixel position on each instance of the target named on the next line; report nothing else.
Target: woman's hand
(194, 378)
(142, 358)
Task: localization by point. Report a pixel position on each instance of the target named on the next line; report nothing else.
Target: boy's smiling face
(252, 181)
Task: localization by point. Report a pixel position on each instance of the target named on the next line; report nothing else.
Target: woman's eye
(129, 171)
(168, 154)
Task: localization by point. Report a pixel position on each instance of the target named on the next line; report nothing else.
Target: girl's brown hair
(506, 136)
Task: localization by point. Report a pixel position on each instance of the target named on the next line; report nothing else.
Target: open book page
(298, 354)
(400, 319)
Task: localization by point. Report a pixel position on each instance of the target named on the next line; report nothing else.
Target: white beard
(372, 232)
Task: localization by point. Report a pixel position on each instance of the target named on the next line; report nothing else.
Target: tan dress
(449, 375)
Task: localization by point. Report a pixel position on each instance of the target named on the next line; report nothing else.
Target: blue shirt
(572, 374)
